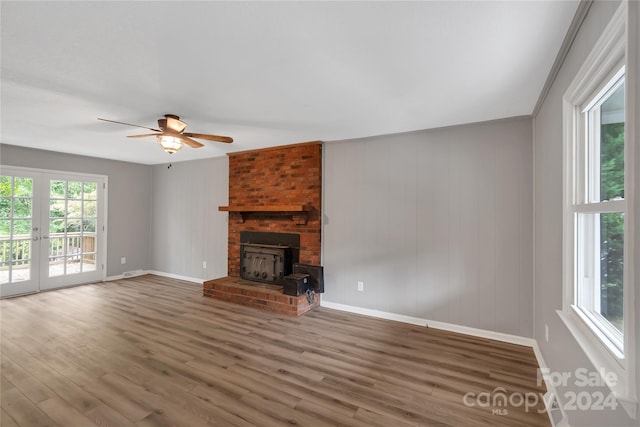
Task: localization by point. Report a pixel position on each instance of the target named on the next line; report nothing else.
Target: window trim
(609, 55)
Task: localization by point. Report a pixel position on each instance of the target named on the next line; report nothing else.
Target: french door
(51, 230)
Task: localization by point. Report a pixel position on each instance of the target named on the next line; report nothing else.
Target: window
(598, 217)
(599, 211)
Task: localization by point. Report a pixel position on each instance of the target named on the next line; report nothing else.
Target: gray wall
(129, 199)
(438, 224)
(562, 353)
(187, 227)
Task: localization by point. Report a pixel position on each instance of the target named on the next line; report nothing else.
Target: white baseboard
(373, 313)
(556, 421)
(176, 276)
(482, 333)
(125, 275)
(135, 273)
(538, 353)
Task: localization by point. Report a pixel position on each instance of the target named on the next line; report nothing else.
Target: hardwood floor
(151, 351)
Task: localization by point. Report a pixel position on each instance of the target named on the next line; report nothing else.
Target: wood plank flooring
(151, 351)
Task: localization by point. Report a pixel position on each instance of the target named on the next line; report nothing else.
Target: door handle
(45, 237)
(35, 239)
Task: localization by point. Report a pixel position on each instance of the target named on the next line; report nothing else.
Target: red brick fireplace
(277, 190)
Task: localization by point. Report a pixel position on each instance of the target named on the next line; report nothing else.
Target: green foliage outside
(612, 225)
(74, 214)
(18, 193)
(15, 194)
(73, 208)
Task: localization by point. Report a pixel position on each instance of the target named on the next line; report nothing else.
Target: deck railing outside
(61, 245)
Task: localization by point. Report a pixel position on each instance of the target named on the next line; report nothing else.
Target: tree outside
(612, 224)
(73, 209)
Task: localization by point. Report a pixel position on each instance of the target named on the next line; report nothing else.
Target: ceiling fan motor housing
(172, 122)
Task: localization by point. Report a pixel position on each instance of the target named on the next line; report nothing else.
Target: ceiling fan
(171, 135)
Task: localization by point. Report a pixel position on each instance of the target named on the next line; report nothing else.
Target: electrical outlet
(360, 286)
(204, 264)
(546, 332)
(123, 260)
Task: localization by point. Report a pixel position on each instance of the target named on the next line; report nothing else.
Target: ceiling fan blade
(217, 138)
(143, 135)
(129, 124)
(190, 142)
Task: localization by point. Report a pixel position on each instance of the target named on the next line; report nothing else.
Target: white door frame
(41, 200)
(31, 285)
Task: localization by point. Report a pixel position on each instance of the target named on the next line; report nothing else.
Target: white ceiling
(266, 73)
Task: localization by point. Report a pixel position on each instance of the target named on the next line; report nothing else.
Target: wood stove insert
(268, 257)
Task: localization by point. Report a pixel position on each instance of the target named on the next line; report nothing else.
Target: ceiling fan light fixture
(170, 144)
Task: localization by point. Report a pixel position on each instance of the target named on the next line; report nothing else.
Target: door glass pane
(5, 228)
(90, 191)
(56, 266)
(89, 262)
(57, 189)
(89, 226)
(56, 208)
(5, 250)
(89, 209)
(74, 209)
(74, 245)
(22, 207)
(21, 250)
(4, 272)
(74, 190)
(5, 207)
(21, 228)
(16, 207)
(88, 245)
(21, 257)
(56, 226)
(23, 187)
(6, 184)
(72, 227)
(56, 246)
(73, 265)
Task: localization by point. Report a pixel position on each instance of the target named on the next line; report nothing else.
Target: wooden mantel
(298, 213)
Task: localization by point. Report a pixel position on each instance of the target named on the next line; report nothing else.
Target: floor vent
(132, 273)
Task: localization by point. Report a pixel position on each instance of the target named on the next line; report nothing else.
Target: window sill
(604, 360)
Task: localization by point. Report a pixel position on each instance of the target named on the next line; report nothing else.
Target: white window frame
(609, 57)
(586, 200)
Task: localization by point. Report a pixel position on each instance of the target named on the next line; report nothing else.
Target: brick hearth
(264, 297)
(278, 190)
